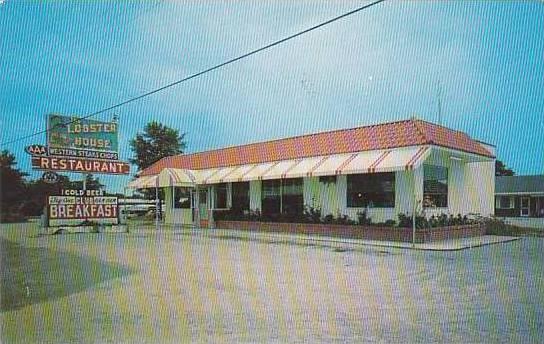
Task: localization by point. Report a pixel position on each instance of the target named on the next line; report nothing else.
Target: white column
(196, 206)
(255, 195)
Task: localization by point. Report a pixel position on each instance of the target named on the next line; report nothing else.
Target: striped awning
(177, 177)
(258, 171)
(219, 175)
(280, 170)
(402, 159)
(144, 182)
(397, 159)
(238, 173)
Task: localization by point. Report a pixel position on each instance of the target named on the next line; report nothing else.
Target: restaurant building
(383, 170)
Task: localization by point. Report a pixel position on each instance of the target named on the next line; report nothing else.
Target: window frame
(446, 194)
(282, 195)
(233, 187)
(175, 204)
(373, 178)
(215, 196)
(498, 204)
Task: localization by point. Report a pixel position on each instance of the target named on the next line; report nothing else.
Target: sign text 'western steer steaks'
(95, 208)
(79, 165)
(84, 138)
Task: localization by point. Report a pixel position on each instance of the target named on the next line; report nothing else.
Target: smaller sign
(79, 165)
(80, 192)
(50, 177)
(78, 153)
(64, 210)
(36, 149)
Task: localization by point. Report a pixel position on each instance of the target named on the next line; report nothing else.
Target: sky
(382, 64)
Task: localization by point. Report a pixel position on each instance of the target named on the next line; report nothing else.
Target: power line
(192, 76)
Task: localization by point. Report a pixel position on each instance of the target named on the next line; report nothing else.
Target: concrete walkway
(446, 245)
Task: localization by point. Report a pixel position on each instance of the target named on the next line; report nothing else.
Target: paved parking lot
(176, 286)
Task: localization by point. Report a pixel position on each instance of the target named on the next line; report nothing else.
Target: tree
(156, 142)
(91, 183)
(12, 188)
(502, 170)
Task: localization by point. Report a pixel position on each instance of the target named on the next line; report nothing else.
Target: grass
(182, 286)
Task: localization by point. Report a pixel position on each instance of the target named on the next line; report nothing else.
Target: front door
(525, 206)
(203, 207)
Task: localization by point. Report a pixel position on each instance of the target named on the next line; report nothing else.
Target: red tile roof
(412, 132)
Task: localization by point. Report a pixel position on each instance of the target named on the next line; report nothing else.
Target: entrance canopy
(177, 177)
(145, 182)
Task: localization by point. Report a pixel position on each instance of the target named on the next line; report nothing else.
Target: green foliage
(37, 192)
(362, 219)
(12, 188)
(156, 142)
(20, 198)
(312, 215)
(390, 223)
(441, 220)
(502, 170)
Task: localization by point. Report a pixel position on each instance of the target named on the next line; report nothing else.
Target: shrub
(495, 226)
(362, 219)
(328, 218)
(390, 223)
(406, 221)
(343, 220)
(312, 215)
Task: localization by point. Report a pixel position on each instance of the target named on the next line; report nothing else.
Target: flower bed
(400, 234)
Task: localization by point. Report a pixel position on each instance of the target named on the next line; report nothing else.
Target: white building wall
(332, 197)
(480, 187)
(404, 190)
(175, 216)
(456, 188)
(312, 193)
(323, 196)
(255, 195)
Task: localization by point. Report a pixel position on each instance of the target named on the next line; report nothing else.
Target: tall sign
(85, 146)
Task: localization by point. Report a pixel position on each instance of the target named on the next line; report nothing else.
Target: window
(435, 186)
(504, 202)
(240, 197)
(220, 196)
(282, 196)
(371, 190)
(271, 197)
(292, 198)
(182, 198)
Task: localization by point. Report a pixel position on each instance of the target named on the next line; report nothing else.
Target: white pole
(157, 205)
(84, 182)
(414, 215)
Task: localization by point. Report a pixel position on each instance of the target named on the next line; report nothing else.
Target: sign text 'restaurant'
(79, 165)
